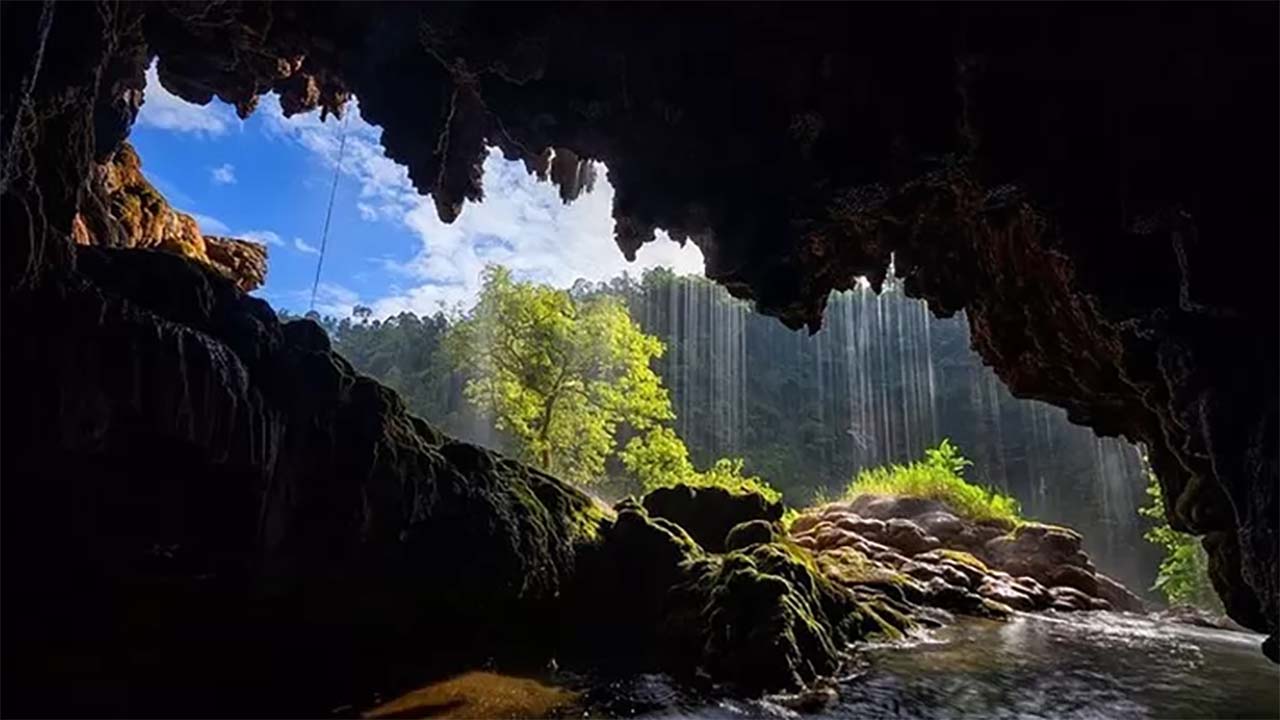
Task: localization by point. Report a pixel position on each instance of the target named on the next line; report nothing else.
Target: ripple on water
(1084, 665)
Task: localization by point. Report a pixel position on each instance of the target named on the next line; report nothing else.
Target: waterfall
(882, 381)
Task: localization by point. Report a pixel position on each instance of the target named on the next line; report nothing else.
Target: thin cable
(328, 215)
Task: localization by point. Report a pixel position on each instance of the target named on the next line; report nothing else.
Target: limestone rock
(128, 212)
(211, 463)
(708, 513)
(751, 532)
(1120, 597)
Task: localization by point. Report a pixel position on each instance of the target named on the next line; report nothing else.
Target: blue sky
(268, 179)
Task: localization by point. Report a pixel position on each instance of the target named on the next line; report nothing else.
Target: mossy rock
(964, 558)
(752, 532)
(766, 618)
(709, 513)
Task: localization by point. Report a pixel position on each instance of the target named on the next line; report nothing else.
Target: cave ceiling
(1094, 186)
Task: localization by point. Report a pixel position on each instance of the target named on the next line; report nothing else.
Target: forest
(638, 382)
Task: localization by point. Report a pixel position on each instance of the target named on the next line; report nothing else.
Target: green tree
(1183, 576)
(560, 376)
(660, 458)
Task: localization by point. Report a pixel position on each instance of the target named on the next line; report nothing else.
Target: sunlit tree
(560, 375)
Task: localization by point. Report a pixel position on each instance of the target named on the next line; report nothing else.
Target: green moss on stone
(964, 558)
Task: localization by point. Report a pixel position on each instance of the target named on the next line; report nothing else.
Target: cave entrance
(880, 383)
(804, 496)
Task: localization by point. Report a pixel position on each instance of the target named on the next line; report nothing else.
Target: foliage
(559, 375)
(660, 459)
(1183, 576)
(938, 477)
(947, 457)
(727, 473)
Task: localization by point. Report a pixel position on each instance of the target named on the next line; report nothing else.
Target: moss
(1040, 528)
(768, 617)
(708, 513)
(752, 532)
(964, 558)
(880, 621)
(788, 516)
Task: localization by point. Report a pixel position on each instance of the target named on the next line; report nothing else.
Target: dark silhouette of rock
(709, 513)
(236, 500)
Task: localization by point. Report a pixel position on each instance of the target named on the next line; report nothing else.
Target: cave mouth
(341, 500)
(880, 383)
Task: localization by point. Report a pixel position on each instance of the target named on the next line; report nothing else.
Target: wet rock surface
(762, 616)
(938, 559)
(234, 499)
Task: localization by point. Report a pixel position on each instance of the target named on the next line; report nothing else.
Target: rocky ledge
(124, 210)
(940, 560)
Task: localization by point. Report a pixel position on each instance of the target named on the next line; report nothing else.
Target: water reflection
(1095, 665)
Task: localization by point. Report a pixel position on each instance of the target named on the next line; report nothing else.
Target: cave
(212, 494)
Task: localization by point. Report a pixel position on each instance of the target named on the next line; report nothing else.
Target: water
(881, 382)
(1094, 665)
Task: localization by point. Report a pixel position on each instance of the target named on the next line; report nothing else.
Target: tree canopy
(560, 375)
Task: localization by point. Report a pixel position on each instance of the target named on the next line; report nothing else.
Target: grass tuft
(938, 477)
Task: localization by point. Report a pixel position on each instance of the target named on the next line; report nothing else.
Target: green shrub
(1183, 576)
(727, 473)
(660, 459)
(938, 477)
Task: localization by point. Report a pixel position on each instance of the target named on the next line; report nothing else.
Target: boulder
(752, 532)
(923, 572)
(708, 513)
(973, 575)
(887, 507)
(956, 556)
(942, 525)
(955, 576)
(907, 537)
(869, 527)
(804, 522)
(829, 536)
(1036, 549)
(852, 569)
(941, 594)
(1038, 593)
(1069, 599)
(1006, 593)
(764, 618)
(891, 558)
(1075, 577)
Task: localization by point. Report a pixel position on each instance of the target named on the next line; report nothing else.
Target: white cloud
(266, 237)
(209, 225)
(166, 111)
(522, 223)
(224, 174)
(302, 246)
(336, 300)
(332, 299)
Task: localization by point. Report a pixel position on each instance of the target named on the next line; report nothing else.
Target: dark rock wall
(1094, 187)
(202, 502)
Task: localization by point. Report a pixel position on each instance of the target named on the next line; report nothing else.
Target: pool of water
(1088, 665)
